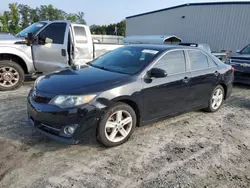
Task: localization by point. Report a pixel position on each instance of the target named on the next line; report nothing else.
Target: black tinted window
(80, 35)
(198, 60)
(173, 62)
(55, 31)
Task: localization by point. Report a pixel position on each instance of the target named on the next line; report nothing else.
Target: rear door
(83, 44)
(205, 76)
(52, 56)
(169, 95)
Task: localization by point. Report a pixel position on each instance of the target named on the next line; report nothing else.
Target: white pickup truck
(58, 44)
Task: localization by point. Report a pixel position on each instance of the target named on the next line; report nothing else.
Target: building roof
(193, 4)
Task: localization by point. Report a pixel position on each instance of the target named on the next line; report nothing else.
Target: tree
(111, 29)
(25, 13)
(14, 18)
(19, 16)
(80, 18)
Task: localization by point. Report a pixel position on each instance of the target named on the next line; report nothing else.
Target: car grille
(49, 129)
(39, 98)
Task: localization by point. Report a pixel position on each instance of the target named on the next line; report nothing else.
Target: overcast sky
(105, 11)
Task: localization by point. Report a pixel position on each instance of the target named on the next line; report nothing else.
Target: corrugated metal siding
(223, 27)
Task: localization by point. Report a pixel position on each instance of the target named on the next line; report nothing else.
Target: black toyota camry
(127, 87)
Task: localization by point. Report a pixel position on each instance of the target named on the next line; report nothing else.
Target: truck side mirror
(30, 39)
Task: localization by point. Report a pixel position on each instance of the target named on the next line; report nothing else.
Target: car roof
(162, 47)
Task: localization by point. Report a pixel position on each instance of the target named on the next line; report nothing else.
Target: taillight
(232, 69)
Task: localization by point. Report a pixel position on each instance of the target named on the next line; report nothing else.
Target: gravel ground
(196, 149)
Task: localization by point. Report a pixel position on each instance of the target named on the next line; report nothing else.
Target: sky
(105, 12)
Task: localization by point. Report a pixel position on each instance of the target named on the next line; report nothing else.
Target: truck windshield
(34, 28)
(126, 60)
(246, 50)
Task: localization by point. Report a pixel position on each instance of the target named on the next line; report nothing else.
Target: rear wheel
(117, 125)
(11, 75)
(216, 99)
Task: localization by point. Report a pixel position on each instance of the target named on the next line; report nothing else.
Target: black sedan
(127, 87)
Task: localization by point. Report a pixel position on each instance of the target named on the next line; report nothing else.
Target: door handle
(186, 80)
(63, 52)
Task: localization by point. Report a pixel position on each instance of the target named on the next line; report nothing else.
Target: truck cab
(241, 64)
(54, 45)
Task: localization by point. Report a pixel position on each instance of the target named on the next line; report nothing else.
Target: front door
(169, 95)
(53, 55)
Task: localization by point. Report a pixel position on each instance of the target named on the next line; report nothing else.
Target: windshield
(34, 28)
(126, 60)
(246, 50)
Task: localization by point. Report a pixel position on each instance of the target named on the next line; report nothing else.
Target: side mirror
(238, 51)
(157, 73)
(29, 39)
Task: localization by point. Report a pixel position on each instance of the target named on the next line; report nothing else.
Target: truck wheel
(11, 75)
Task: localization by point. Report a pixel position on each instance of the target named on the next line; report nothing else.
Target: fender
(24, 52)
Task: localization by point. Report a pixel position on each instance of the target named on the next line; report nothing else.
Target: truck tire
(11, 75)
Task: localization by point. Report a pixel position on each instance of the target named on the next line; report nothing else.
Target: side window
(173, 62)
(55, 31)
(80, 35)
(211, 62)
(198, 60)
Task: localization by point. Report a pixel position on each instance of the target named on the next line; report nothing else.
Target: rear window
(198, 60)
(80, 35)
(173, 62)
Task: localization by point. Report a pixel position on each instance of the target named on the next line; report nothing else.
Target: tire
(220, 98)
(14, 71)
(109, 119)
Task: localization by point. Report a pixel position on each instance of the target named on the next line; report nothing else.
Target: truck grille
(239, 61)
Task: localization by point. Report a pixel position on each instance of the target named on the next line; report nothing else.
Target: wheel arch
(16, 59)
(225, 89)
(134, 105)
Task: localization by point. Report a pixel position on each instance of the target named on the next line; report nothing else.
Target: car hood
(9, 39)
(79, 81)
(241, 56)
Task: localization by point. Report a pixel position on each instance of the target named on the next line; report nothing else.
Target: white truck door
(51, 52)
(83, 44)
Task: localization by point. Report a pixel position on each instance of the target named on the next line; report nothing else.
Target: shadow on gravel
(242, 86)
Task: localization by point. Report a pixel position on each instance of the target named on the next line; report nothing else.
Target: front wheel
(117, 125)
(216, 99)
(11, 75)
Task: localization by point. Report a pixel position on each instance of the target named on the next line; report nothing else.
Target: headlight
(69, 101)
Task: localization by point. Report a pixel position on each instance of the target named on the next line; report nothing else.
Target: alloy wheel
(217, 98)
(118, 126)
(9, 76)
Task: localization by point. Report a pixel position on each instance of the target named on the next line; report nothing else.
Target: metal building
(222, 25)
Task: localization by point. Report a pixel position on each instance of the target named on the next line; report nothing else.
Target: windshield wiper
(99, 67)
(104, 68)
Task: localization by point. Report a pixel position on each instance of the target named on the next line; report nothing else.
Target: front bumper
(51, 120)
